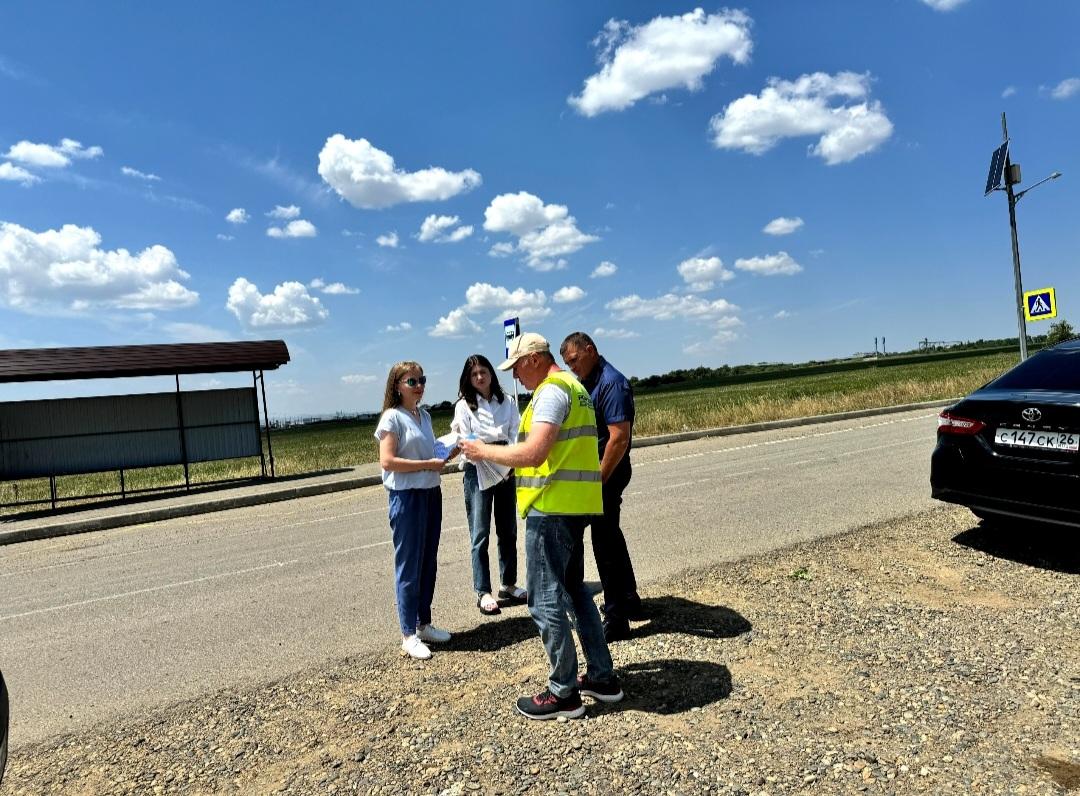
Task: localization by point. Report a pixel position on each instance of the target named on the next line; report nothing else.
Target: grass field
(330, 446)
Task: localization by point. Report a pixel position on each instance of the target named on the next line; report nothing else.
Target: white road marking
(360, 547)
(150, 589)
(782, 441)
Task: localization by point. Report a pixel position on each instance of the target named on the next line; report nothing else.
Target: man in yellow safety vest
(557, 468)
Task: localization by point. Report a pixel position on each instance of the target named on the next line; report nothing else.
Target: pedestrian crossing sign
(1039, 305)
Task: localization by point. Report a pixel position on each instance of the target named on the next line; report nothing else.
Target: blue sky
(372, 182)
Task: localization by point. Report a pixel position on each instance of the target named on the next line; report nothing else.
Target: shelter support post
(183, 436)
(266, 418)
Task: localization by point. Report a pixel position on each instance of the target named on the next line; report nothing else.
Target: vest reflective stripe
(569, 433)
(561, 475)
(568, 481)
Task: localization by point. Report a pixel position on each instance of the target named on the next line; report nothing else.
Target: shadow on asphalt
(664, 615)
(672, 685)
(1042, 546)
(496, 632)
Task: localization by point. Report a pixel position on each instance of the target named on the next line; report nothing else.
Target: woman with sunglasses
(485, 412)
(411, 477)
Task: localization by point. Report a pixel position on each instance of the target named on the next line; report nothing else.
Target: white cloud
(526, 305)
(454, 324)
(404, 326)
(715, 343)
(1008, 92)
(237, 215)
(389, 240)
(289, 306)
(359, 378)
(701, 273)
(494, 300)
(671, 306)
(332, 288)
(12, 173)
(222, 236)
(280, 212)
(664, 53)
(127, 171)
(438, 229)
(770, 265)
(65, 270)
(367, 177)
(834, 107)
(301, 228)
(564, 295)
(615, 334)
(944, 5)
(195, 333)
(1066, 88)
(782, 314)
(546, 233)
(48, 156)
(605, 268)
(782, 226)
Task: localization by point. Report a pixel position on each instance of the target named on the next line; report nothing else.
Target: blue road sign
(511, 329)
(1041, 304)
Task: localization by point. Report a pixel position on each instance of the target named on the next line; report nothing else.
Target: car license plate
(1043, 440)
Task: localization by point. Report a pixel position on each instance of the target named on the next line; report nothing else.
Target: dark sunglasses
(415, 382)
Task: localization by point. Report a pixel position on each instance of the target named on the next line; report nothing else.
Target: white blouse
(491, 422)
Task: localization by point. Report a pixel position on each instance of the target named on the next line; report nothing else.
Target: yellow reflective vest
(568, 481)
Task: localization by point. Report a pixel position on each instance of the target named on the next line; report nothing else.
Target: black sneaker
(616, 630)
(605, 692)
(546, 705)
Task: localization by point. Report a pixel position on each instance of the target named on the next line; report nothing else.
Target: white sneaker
(414, 647)
(432, 634)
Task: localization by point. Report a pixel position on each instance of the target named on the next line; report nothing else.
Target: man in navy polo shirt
(613, 400)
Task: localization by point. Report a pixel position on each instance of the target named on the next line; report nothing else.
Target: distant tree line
(1062, 330)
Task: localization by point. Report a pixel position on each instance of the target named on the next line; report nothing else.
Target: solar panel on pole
(997, 168)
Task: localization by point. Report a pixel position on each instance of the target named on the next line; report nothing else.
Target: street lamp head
(1055, 175)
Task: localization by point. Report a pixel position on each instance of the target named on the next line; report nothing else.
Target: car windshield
(1056, 369)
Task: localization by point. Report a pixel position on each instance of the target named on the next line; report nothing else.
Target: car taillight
(952, 424)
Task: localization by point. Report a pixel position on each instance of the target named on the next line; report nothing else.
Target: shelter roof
(122, 361)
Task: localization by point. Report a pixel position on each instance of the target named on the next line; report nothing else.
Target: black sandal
(515, 594)
(487, 611)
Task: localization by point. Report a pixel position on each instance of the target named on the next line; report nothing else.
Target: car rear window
(1056, 369)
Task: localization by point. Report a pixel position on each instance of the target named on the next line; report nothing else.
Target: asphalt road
(122, 621)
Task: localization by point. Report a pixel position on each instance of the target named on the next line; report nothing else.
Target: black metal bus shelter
(69, 436)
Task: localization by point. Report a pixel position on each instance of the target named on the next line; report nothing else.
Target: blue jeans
(555, 579)
(478, 505)
(416, 523)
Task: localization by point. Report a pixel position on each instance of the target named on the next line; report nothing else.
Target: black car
(3, 725)
(1011, 449)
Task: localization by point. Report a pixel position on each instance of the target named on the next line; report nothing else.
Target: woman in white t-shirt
(486, 412)
(411, 477)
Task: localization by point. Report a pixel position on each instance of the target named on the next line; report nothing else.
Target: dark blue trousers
(416, 522)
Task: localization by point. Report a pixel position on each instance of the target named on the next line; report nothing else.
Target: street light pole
(1012, 177)
(1020, 320)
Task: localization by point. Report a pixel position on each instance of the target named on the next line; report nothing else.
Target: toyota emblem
(1031, 414)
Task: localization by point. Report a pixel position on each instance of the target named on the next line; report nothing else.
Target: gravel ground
(925, 655)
